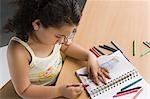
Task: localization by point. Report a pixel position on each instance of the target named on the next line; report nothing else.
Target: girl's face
(52, 35)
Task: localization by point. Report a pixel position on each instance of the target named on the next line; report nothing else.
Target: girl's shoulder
(15, 50)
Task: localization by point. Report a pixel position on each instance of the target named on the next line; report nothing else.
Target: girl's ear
(36, 24)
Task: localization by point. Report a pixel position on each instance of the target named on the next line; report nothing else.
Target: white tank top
(43, 71)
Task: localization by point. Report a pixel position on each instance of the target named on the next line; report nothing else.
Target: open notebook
(122, 73)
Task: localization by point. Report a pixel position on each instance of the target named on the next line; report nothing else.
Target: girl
(44, 28)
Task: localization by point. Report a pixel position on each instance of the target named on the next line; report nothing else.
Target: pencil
(131, 84)
(116, 46)
(93, 52)
(128, 90)
(145, 52)
(119, 49)
(147, 44)
(83, 75)
(96, 51)
(77, 85)
(138, 94)
(108, 48)
(99, 51)
(134, 48)
(125, 93)
(113, 50)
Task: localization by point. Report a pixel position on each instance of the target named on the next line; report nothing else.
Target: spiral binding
(113, 83)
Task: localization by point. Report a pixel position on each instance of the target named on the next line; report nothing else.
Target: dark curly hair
(54, 13)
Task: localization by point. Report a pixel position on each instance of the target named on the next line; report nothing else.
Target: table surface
(112, 20)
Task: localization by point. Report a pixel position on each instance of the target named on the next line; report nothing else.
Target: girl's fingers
(78, 89)
(100, 73)
(101, 80)
(105, 69)
(101, 77)
(95, 73)
(95, 78)
(104, 79)
(74, 84)
(88, 69)
(106, 74)
(90, 73)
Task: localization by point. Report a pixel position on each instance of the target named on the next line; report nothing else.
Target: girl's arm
(18, 60)
(75, 51)
(97, 73)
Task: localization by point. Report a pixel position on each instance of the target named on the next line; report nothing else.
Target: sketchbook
(122, 73)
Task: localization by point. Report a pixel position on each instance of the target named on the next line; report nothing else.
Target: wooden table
(112, 20)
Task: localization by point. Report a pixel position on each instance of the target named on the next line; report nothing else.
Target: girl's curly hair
(54, 13)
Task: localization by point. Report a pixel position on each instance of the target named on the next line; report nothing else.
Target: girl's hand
(71, 90)
(97, 73)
